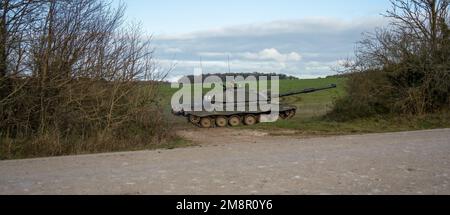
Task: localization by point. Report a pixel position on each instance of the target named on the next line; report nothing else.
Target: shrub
(71, 80)
(404, 68)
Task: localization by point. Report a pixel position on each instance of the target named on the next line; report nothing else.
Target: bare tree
(74, 69)
(406, 65)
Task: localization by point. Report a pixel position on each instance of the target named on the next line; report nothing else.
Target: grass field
(312, 109)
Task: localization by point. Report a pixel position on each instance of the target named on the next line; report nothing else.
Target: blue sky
(297, 37)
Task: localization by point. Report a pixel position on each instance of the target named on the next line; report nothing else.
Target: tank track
(220, 121)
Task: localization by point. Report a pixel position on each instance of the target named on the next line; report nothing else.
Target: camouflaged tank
(206, 119)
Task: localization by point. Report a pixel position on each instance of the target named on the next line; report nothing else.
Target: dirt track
(249, 162)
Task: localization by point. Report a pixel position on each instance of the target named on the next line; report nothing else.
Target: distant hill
(342, 75)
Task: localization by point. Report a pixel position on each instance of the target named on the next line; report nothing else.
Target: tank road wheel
(221, 121)
(194, 119)
(250, 120)
(206, 122)
(284, 115)
(291, 114)
(234, 121)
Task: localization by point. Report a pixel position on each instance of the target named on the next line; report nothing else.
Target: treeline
(67, 72)
(403, 68)
(245, 75)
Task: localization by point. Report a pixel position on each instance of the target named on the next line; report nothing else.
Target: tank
(205, 119)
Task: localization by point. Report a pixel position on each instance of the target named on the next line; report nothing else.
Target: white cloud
(270, 54)
(174, 79)
(173, 50)
(273, 54)
(302, 48)
(306, 25)
(187, 67)
(313, 66)
(214, 54)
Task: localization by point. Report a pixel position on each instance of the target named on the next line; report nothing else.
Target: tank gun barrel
(308, 90)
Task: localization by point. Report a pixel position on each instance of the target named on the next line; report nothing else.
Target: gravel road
(249, 162)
